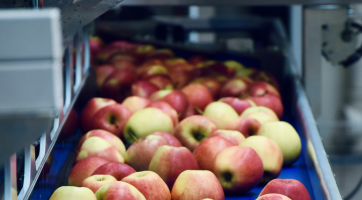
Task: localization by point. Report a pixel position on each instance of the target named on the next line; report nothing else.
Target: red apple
(149, 184)
(245, 125)
(143, 51)
(235, 87)
(173, 62)
(189, 112)
(116, 169)
(273, 196)
(118, 85)
(272, 102)
(168, 162)
(136, 103)
(195, 60)
(147, 71)
(266, 77)
(170, 138)
(233, 136)
(262, 89)
(239, 105)
(161, 54)
(206, 151)
(67, 192)
(119, 190)
(210, 68)
(291, 188)
(102, 73)
(161, 81)
(177, 99)
(121, 56)
(144, 88)
(124, 65)
(94, 182)
(211, 84)
(198, 95)
(166, 108)
(181, 75)
(95, 44)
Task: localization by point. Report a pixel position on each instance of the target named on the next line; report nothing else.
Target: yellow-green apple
(206, 151)
(102, 72)
(267, 77)
(221, 79)
(286, 137)
(166, 108)
(94, 182)
(98, 147)
(245, 125)
(92, 106)
(188, 112)
(175, 98)
(161, 81)
(197, 184)
(111, 138)
(122, 64)
(140, 153)
(149, 184)
(239, 169)
(270, 154)
(143, 88)
(234, 88)
(136, 103)
(170, 138)
(220, 113)
(83, 169)
(262, 89)
(169, 162)
(260, 113)
(111, 118)
(291, 188)
(198, 95)
(195, 60)
(235, 66)
(193, 130)
(70, 126)
(143, 51)
(211, 84)
(118, 85)
(161, 54)
(146, 121)
(73, 193)
(239, 105)
(146, 71)
(273, 196)
(119, 190)
(116, 169)
(233, 136)
(272, 102)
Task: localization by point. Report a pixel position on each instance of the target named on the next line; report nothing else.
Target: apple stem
(199, 110)
(133, 136)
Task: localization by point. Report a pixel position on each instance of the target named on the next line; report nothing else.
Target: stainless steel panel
(235, 2)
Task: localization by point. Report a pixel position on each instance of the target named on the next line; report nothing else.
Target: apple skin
(245, 125)
(198, 95)
(273, 196)
(197, 184)
(233, 136)
(146, 71)
(172, 140)
(152, 119)
(149, 184)
(211, 84)
(166, 108)
(177, 99)
(286, 137)
(239, 169)
(220, 113)
(98, 147)
(94, 182)
(136, 103)
(193, 130)
(111, 118)
(188, 112)
(270, 154)
(195, 60)
(169, 162)
(161, 54)
(239, 105)
(260, 113)
(71, 192)
(161, 81)
(234, 88)
(272, 102)
(143, 51)
(70, 126)
(140, 153)
(119, 190)
(92, 106)
(83, 169)
(109, 137)
(266, 77)
(291, 188)
(143, 88)
(206, 151)
(262, 89)
(116, 169)
(102, 73)
(124, 65)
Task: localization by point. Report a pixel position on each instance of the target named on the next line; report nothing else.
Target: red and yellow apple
(94, 182)
(116, 169)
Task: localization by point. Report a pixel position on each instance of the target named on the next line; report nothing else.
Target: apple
(211, 84)
(152, 119)
(71, 192)
(136, 103)
(166, 108)
(168, 162)
(270, 154)
(170, 138)
(235, 87)
(111, 118)
(182, 75)
(239, 105)
(234, 137)
(239, 169)
(161, 81)
(177, 99)
(260, 113)
(245, 125)
(106, 52)
(92, 106)
(210, 67)
(172, 62)
(102, 73)
(143, 51)
(272, 102)
(262, 89)
(83, 169)
(221, 113)
(235, 66)
(70, 126)
(206, 151)
(146, 71)
(193, 130)
(124, 65)
(198, 95)
(141, 151)
(118, 85)
(286, 137)
(98, 147)
(116, 169)
(95, 44)
(291, 188)
(197, 184)
(94, 182)
(188, 112)
(121, 56)
(109, 137)
(149, 184)
(273, 196)
(195, 60)
(119, 190)
(161, 54)
(266, 77)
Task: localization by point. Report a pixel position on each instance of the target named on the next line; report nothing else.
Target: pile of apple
(196, 129)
